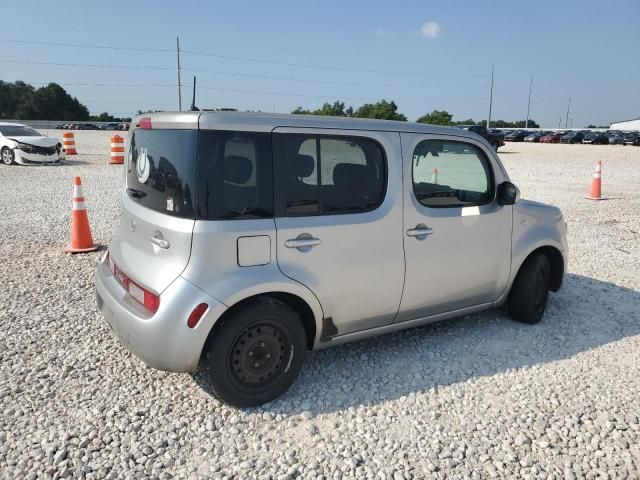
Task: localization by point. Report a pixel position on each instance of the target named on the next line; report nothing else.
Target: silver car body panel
(365, 290)
(366, 274)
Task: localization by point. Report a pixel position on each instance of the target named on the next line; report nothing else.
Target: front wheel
(530, 290)
(8, 157)
(256, 354)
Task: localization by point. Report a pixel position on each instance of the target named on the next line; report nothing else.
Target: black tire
(530, 290)
(265, 331)
(7, 156)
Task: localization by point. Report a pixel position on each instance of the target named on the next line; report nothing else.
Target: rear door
(339, 221)
(153, 243)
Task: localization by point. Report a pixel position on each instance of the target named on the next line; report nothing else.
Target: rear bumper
(163, 340)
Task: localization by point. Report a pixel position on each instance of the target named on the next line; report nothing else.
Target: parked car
(616, 138)
(553, 137)
(632, 138)
(123, 126)
(24, 145)
(494, 137)
(572, 137)
(534, 137)
(247, 239)
(596, 138)
(516, 136)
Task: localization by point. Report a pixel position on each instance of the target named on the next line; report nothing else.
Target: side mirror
(508, 193)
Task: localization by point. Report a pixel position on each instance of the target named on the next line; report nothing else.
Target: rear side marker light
(196, 315)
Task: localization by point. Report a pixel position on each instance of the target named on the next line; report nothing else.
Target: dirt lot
(477, 397)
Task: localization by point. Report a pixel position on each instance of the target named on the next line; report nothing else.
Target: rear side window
(451, 174)
(324, 175)
(235, 175)
(161, 170)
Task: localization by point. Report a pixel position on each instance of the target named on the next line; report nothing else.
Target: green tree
(21, 101)
(337, 109)
(437, 117)
(381, 110)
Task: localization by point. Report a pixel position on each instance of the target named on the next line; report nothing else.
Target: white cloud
(430, 30)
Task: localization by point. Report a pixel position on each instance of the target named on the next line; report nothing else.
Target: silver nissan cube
(248, 239)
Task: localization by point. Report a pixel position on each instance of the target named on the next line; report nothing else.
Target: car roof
(266, 122)
(11, 124)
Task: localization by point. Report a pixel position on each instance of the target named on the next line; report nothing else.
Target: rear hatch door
(153, 244)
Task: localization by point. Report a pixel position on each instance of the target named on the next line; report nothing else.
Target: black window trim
(462, 140)
(279, 190)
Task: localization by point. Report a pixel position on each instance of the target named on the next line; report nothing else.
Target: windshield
(18, 131)
(161, 170)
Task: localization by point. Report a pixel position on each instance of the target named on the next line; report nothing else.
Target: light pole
(490, 100)
(526, 123)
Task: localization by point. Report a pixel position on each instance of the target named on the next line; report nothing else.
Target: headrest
(237, 169)
(301, 166)
(346, 174)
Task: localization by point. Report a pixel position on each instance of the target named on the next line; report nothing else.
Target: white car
(22, 144)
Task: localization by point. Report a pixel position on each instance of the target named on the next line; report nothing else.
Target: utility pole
(566, 121)
(526, 123)
(490, 99)
(560, 123)
(179, 85)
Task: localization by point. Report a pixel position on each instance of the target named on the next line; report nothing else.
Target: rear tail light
(196, 315)
(148, 300)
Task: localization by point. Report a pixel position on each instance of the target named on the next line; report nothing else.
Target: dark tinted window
(322, 175)
(161, 170)
(235, 175)
(18, 131)
(451, 174)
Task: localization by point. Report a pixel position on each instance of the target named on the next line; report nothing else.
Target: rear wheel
(8, 157)
(256, 354)
(530, 290)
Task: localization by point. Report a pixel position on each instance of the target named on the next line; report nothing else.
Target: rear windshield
(161, 170)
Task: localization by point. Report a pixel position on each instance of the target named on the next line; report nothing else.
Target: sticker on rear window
(170, 204)
(143, 167)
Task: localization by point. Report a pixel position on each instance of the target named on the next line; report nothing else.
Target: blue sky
(424, 55)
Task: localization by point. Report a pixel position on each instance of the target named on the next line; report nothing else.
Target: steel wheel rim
(258, 355)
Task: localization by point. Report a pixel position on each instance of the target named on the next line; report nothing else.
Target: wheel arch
(556, 263)
(310, 319)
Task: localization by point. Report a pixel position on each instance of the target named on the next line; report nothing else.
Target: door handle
(157, 239)
(419, 231)
(301, 242)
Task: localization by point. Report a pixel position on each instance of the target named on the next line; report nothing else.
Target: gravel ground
(477, 397)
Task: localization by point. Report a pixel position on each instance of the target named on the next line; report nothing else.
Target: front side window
(323, 175)
(451, 174)
(235, 176)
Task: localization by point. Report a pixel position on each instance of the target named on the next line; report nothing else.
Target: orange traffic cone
(117, 150)
(434, 176)
(596, 185)
(69, 143)
(81, 239)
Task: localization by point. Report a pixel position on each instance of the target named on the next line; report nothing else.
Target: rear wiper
(133, 193)
(256, 212)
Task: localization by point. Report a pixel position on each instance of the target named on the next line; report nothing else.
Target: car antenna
(193, 101)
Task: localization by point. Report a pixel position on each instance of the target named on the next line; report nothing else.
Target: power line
(91, 65)
(329, 67)
(257, 92)
(77, 45)
(328, 82)
(249, 59)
